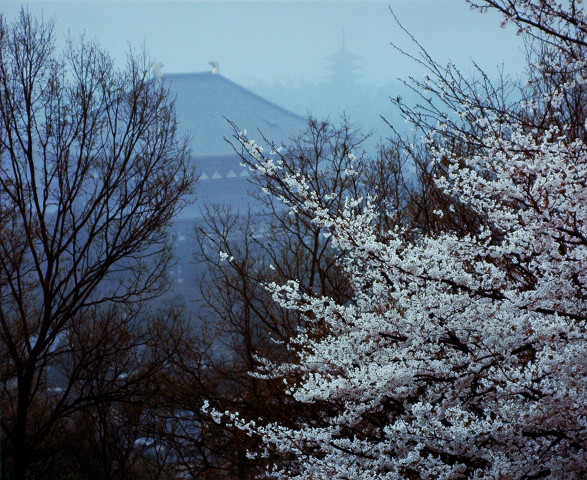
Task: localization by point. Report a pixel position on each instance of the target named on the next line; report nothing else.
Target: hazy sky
(285, 40)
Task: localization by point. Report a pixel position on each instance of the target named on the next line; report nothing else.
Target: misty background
(321, 58)
(282, 50)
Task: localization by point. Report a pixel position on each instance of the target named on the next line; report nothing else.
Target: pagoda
(343, 67)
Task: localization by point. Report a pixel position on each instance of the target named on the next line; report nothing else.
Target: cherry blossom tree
(460, 354)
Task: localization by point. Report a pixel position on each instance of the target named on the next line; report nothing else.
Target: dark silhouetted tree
(91, 174)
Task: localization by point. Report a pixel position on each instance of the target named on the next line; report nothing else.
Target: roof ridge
(240, 87)
(204, 101)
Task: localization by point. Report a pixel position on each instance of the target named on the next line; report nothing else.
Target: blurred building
(344, 67)
(206, 103)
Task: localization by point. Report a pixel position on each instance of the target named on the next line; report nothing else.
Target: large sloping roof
(205, 100)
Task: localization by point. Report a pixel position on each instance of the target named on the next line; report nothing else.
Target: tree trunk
(21, 453)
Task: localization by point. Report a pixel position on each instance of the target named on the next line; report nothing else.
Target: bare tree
(91, 173)
(241, 253)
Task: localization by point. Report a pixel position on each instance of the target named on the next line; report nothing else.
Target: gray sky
(285, 40)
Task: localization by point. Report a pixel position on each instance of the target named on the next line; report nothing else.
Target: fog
(279, 49)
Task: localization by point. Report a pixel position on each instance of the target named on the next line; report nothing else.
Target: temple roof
(204, 102)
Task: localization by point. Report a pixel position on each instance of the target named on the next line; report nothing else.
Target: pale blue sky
(285, 40)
